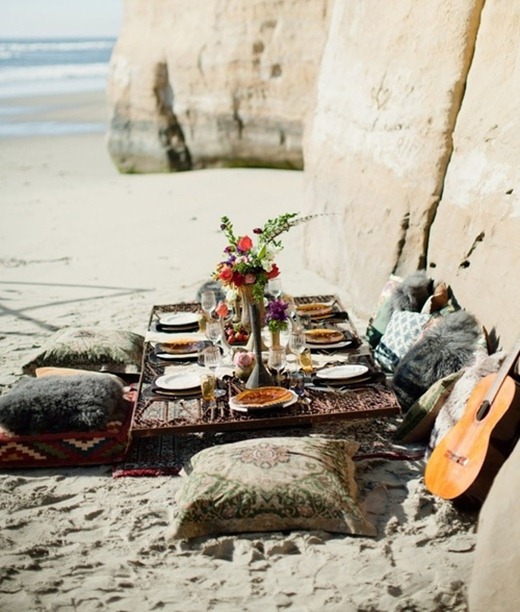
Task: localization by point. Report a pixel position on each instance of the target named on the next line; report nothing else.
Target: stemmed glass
(212, 359)
(277, 360)
(214, 331)
(208, 302)
(297, 341)
(275, 287)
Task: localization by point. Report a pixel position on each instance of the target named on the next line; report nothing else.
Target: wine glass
(277, 360)
(275, 287)
(297, 342)
(208, 302)
(212, 359)
(214, 331)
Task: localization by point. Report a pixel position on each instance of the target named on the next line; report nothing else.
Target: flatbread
(314, 309)
(323, 336)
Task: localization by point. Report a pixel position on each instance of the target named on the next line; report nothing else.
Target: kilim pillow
(271, 484)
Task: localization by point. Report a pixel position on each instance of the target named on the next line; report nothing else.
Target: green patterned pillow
(418, 422)
(401, 333)
(271, 484)
(89, 349)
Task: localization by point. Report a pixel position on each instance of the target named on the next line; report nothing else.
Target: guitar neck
(502, 373)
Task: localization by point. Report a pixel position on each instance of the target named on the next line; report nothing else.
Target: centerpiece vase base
(260, 376)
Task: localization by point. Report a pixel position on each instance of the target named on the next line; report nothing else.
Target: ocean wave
(11, 48)
(54, 72)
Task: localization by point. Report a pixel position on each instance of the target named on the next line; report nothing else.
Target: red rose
(245, 244)
(238, 279)
(274, 272)
(225, 274)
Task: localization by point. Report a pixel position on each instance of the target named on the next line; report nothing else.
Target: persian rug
(166, 455)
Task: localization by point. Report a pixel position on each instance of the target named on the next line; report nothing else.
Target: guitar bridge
(461, 460)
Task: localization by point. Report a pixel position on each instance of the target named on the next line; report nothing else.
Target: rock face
(408, 116)
(415, 155)
(201, 83)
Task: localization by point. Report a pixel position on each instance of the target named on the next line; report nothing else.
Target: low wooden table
(156, 415)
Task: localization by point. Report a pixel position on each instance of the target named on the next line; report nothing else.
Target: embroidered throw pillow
(271, 484)
(88, 348)
(401, 333)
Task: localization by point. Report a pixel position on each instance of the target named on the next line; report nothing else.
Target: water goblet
(277, 360)
(212, 359)
(214, 331)
(297, 342)
(208, 302)
(275, 287)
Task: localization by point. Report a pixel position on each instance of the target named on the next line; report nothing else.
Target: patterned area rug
(167, 455)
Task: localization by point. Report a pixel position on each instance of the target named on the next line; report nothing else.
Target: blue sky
(59, 18)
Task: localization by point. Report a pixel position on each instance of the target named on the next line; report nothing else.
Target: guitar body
(465, 462)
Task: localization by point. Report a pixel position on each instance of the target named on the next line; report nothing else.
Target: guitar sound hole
(483, 411)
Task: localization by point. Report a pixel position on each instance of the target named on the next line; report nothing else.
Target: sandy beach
(81, 245)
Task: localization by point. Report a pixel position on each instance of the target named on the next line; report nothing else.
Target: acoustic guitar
(463, 465)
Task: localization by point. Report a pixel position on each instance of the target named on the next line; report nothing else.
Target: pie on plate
(323, 336)
(314, 309)
(262, 397)
(179, 346)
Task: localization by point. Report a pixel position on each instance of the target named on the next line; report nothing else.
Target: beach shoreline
(82, 245)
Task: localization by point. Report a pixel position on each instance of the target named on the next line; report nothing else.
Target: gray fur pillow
(444, 348)
(56, 404)
(412, 293)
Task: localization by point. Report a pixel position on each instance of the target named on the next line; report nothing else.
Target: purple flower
(277, 311)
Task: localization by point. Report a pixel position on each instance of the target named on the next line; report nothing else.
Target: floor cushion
(64, 420)
(88, 348)
(271, 484)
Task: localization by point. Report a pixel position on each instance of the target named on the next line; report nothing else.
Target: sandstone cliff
(199, 83)
(408, 112)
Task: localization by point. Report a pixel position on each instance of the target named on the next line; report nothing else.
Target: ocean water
(39, 67)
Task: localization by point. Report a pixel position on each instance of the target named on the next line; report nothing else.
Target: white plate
(179, 381)
(342, 372)
(179, 319)
(181, 356)
(334, 345)
(238, 408)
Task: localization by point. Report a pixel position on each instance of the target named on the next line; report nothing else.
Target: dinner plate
(236, 406)
(180, 356)
(179, 319)
(335, 345)
(342, 372)
(179, 381)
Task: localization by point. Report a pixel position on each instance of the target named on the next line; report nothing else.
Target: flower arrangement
(276, 315)
(249, 264)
